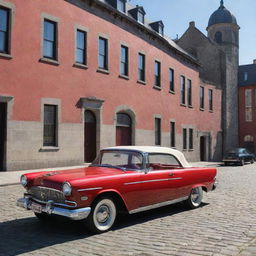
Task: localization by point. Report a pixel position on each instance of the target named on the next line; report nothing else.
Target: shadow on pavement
(30, 234)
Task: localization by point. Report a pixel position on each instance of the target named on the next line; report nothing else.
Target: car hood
(55, 179)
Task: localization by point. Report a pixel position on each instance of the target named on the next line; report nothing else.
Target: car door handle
(171, 174)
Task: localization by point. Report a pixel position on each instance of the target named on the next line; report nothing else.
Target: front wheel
(242, 162)
(102, 216)
(195, 198)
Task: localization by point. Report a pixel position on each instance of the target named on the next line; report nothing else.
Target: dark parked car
(238, 156)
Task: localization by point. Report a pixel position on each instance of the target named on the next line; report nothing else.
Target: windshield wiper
(109, 166)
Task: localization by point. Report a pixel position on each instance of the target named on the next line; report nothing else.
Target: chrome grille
(45, 194)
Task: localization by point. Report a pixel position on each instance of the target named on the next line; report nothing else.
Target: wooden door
(123, 130)
(3, 120)
(89, 136)
(202, 148)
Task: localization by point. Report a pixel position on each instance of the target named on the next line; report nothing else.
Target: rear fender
(205, 187)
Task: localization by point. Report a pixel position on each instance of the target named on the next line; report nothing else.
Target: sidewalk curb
(9, 184)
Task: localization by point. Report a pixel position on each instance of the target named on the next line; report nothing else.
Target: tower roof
(222, 15)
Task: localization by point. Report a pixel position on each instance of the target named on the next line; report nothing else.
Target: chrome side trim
(88, 189)
(149, 207)
(147, 181)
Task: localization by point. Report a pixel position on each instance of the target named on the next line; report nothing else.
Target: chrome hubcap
(103, 214)
(195, 196)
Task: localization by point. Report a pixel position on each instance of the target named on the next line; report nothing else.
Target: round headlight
(66, 189)
(23, 180)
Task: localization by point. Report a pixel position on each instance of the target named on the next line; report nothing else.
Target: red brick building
(80, 75)
(247, 106)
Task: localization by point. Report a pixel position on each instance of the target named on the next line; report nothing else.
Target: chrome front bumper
(49, 208)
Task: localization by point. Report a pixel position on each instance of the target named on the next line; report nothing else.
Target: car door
(164, 181)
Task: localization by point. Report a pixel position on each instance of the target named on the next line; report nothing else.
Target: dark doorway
(123, 130)
(249, 146)
(89, 136)
(202, 148)
(3, 128)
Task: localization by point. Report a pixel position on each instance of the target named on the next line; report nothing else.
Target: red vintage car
(129, 178)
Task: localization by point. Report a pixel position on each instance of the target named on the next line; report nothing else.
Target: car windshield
(125, 160)
(236, 151)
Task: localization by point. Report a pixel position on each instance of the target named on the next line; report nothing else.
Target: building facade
(87, 74)
(218, 53)
(247, 106)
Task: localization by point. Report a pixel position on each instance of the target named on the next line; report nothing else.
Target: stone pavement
(225, 225)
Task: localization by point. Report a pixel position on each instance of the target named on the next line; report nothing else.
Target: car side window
(163, 161)
(114, 158)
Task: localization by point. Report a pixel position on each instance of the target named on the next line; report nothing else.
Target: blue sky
(176, 15)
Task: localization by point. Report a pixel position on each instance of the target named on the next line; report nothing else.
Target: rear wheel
(252, 161)
(102, 216)
(195, 198)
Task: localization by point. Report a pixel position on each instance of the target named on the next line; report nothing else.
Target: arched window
(248, 138)
(123, 120)
(218, 37)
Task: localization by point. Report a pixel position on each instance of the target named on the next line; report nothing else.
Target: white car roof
(153, 149)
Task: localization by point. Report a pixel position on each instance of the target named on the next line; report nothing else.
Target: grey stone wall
(230, 46)
(25, 140)
(25, 146)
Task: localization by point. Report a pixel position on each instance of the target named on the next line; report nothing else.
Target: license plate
(36, 208)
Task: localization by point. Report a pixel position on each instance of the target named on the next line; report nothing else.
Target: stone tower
(224, 31)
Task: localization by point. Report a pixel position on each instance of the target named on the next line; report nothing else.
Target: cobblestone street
(224, 225)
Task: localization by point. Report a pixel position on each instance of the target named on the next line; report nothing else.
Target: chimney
(254, 61)
(192, 24)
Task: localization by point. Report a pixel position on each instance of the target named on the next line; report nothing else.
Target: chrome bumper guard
(49, 208)
(215, 185)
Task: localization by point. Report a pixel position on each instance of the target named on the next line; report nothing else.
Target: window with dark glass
(4, 30)
(140, 17)
(103, 53)
(172, 135)
(182, 90)
(50, 39)
(189, 92)
(121, 5)
(248, 105)
(158, 131)
(191, 138)
(245, 76)
(210, 100)
(50, 125)
(184, 132)
(202, 97)
(218, 37)
(161, 30)
(124, 61)
(81, 47)
(171, 77)
(157, 74)
(141, 67)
